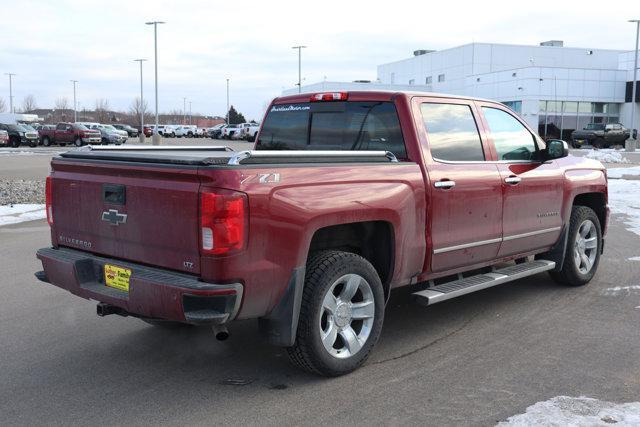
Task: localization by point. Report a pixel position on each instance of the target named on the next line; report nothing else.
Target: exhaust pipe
(221, 332)
(104, 309)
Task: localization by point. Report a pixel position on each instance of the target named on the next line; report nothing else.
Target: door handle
(444, 184)
(513, 180)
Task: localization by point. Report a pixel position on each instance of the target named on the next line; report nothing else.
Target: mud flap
(557, 252)
(280, 326)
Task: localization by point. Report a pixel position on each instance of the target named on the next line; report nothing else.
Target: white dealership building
(556, 89)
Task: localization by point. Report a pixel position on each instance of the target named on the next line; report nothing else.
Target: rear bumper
(153, 292)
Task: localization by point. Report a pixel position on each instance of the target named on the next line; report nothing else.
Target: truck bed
(221, 155)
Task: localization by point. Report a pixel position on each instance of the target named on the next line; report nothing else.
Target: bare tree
(102, 110)
(62, 103)
(3, 106)
(138, 107)
(29, 103)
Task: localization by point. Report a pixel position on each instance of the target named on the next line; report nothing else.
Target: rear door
(532, 189)
(465, 216)
(132, 212)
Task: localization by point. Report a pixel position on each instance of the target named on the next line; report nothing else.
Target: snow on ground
(13, 214)
(634, 258)
(624, 198)
(21, 152)
(618, 173)
(577, 411)
(621, 290)
(606, 156)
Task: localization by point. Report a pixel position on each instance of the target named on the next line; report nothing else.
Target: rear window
(333, 126)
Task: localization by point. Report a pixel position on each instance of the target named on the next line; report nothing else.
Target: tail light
(224, 222)
(48, 199)
(329, 96)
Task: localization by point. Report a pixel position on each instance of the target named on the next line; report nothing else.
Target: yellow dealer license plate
(117, 277)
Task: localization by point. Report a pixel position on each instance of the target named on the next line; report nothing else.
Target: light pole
(184, 111)
(227, 115)
(10, 91)
(631, 142)
(141, 134)
(190, 115)
(299, 66)
(155, 139)
(75, 104)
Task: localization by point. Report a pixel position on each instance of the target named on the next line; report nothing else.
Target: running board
(481, 281)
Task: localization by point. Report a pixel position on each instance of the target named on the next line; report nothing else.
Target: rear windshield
(370, 125)
(595, 126)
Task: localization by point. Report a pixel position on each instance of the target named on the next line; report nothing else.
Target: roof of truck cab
(386, 95)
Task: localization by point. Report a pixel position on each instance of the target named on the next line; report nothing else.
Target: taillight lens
(330, 96)
(223, 221)
(48, 191)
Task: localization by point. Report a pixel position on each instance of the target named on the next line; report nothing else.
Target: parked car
(249, 131)
(109, 134)
(229, 131)
(69, 133)
(147, 130)
(600, 135)
(4, 138)
(201, 132)
(165, 130)
(120, 132)
(131, 131)
(187, 131)
(19, 134)
(311, 235)
(215, 132)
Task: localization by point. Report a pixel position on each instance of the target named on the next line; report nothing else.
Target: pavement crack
(436, 341)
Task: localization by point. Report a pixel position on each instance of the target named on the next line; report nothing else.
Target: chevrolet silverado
(344, 197)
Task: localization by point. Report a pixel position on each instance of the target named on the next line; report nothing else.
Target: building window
(557, 119)
(428, 80)
(412, 81)
(440, 78)
(514, 105)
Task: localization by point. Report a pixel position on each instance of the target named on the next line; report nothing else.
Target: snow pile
(624, 198)
(13, 214)
(577, 411)
(618, 173)
(606, 156)
(634, 258)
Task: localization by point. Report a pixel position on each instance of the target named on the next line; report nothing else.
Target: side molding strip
(496, 240)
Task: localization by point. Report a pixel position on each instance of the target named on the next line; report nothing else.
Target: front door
(532, 189)
(464, 222)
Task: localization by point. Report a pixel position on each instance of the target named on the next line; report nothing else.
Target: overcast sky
(48, 43)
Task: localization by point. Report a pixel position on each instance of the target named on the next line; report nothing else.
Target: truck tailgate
(147, 214)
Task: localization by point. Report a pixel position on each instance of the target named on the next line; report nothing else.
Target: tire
(33, 144)
(581, 258)
(78, 142)
(336, 272)
(15, 142)
(598, 143)
(46, 141)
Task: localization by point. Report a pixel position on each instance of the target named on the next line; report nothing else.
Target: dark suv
(19, 134)
(600, 135)
(131, 131)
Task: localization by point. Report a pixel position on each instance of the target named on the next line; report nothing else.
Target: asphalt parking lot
(475, 360)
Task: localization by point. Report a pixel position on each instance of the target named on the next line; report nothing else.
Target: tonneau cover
(178, 155)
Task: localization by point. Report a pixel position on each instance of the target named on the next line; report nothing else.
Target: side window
(452, 131)
(60, 127)
(512, 140)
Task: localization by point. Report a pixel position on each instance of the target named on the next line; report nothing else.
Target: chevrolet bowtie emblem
(113, 217)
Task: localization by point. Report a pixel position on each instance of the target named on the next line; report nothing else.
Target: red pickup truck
(69, 133)
(344, 197)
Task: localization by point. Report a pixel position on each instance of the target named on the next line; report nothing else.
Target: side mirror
(556, 149)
